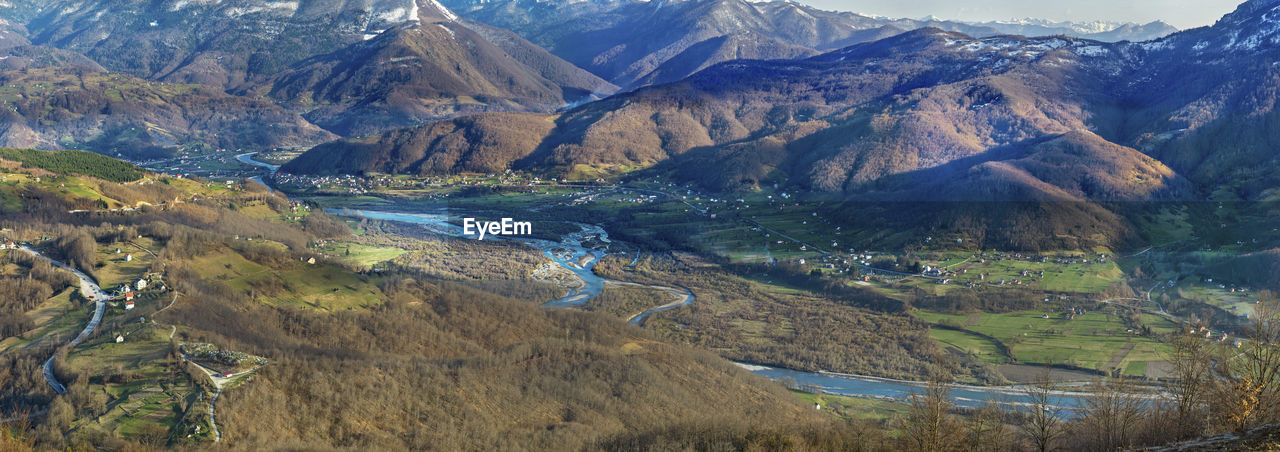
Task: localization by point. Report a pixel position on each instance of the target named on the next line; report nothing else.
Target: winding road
(219, 382)
(90, 290)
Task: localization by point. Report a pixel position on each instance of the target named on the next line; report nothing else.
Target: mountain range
(861, 118)
(349, 67)
(637, 43)
(761, 92)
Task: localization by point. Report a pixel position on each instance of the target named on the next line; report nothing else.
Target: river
(247, 158)
(1064, 404)
(570, 250)
(567, 253)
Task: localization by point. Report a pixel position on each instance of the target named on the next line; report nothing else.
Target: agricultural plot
(361, 255)
(142, 393)
(855, 408)
(1050, 276)
(317, 286)
(1094, 340)
(126, 266)
(1238, 302)
(970, 343)
(63, 319)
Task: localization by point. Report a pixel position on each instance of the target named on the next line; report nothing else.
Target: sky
(1180, 13)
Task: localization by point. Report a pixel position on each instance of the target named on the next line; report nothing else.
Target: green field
(361, 255)
(853, 407)
(1095, 340)
(113, 270)
(318, 286)
(142, 394)
(972, 344)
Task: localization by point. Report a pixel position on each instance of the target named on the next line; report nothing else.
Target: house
(128, 258)
(119, 338)
(142, 284)
(128, 305)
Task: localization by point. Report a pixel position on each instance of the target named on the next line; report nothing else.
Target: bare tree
(1111, 417)
(929, 425)
(1246, 386)
(1192, 367)
(987, 431)
(1041, 424)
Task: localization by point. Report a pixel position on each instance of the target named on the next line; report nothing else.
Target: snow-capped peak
(443, 11)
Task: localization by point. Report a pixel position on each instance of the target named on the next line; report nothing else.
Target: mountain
(216, 43)
(478, 143)
(70, 106)
(32, 57)
(834, 122)
(632, 43)
(1199, 102)
(1056, 131)
(1096, 30)
(419, 72)
(638, 43)
(351, 66)
(12, 34)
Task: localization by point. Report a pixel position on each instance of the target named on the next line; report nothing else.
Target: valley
(1072, 309)
(634, 225)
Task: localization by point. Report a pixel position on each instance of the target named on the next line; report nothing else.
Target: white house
(142, 284)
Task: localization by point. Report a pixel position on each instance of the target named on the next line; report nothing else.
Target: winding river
(1063, 403)
(570, 251)
(567, 253)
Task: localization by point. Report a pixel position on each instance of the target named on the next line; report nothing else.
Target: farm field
(318, 286)
(127, 266)
(140, 392)
(361, 255)
(1095, 340)
(855, 408)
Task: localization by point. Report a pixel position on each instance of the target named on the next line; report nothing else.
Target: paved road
(89, 289)
(219, 382)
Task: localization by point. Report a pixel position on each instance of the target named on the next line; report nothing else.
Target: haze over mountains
(769, 92)
(634, 43)
(931, 99)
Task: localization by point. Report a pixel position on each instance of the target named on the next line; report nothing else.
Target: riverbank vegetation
(754, 321)
(625, 301)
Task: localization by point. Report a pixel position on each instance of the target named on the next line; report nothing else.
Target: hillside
(477, 144)
(635, 43)
(398, 348)
(906, 103)
(352, 68)
(845, 120)
(54, 107)
(419, 72)
(219, 44)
